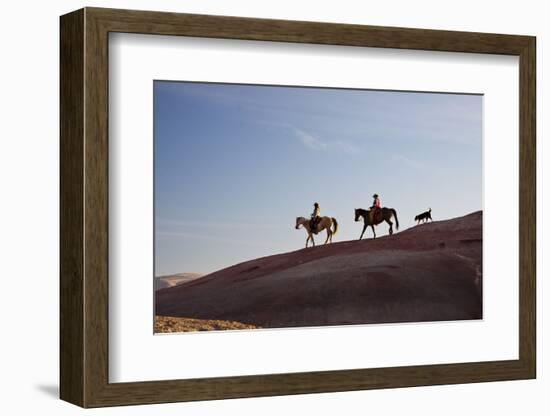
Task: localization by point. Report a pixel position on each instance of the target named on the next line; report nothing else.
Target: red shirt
(377, 203)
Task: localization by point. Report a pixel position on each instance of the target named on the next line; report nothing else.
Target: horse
(325, 223)
(384, 214)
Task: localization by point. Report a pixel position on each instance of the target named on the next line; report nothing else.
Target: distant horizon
(236, 164)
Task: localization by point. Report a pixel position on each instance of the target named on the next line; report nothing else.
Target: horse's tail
(335, 223)
(394, 212)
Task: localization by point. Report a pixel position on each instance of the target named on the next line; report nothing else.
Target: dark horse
(384, 214)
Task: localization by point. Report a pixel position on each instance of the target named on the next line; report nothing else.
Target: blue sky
(236, 164)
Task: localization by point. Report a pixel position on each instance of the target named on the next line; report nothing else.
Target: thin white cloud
(346, 147)
(402, 160)
(310, 141)
(313, 142)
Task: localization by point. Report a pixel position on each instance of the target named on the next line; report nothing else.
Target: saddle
(313, 225)
(377, 216)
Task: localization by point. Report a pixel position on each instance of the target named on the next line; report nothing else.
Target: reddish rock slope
(430, 272)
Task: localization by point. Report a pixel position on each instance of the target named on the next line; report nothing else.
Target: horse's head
(357, 214)
(298, 222)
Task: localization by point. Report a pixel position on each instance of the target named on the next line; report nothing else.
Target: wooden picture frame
(84, 207)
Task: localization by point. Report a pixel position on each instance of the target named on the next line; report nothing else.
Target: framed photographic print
(255, 207)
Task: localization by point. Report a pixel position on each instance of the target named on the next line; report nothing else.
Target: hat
(375, 196)
(316, 204)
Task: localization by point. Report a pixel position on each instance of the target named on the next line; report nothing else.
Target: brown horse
(384, 214)
(324, 223)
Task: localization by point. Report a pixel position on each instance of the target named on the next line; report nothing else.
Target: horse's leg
(364, 228)
(309, 237)
(328, 235)
(374, 232)
(391, 226)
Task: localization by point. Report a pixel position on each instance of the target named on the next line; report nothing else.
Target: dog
(425, 216)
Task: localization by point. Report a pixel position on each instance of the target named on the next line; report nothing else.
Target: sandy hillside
(162, 282)
(429, 272)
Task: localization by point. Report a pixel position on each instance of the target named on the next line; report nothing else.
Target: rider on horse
(376, 206)
(315, 216)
